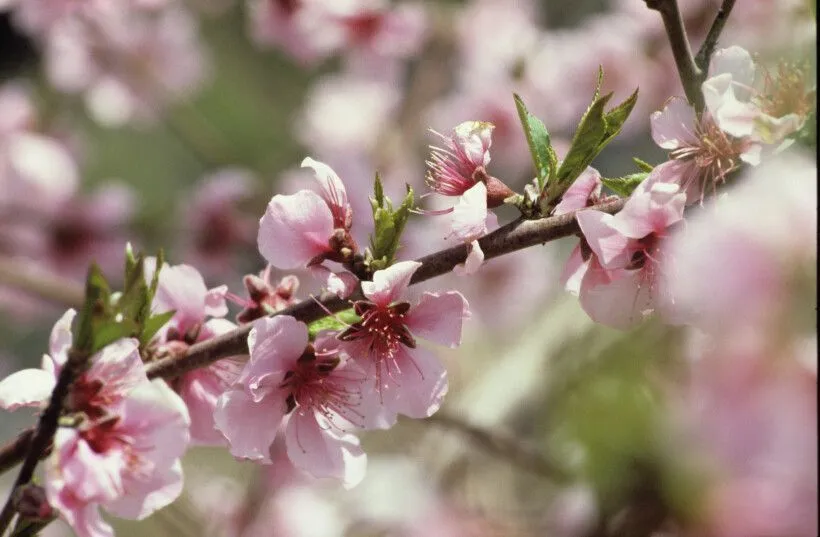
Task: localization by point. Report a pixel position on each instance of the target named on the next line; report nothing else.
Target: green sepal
(538, 140)
(624, 186)
(388, 226)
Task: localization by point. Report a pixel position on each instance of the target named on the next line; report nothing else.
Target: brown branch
(708, 47)
(503, 446)
(46, 427)
(509, 238)
(51, 287)
(690, 75)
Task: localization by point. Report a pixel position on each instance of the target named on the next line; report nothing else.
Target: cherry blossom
(126, 462)
(114, 372)
(305, 229)
(264, 297)
(626, 248)
(181, 289)
(307, 392)
(469, 221)
(410, 380)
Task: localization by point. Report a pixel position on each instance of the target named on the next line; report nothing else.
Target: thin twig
(690, 74)
(46, 427)
(708, 47)
(503, 446)
(51, 287)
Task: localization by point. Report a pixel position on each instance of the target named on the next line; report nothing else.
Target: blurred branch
(24, 276)
(708, 47)
(690, 74)
(502, 446)
(13, 452)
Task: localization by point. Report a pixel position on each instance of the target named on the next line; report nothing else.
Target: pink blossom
(308, 393)
(264, 297)
(410, 380)
(181, 289)
(469, 221)
(729, 95)
(306, 228)
(126, 462)
(732, 269)
(216, 228)
(626, 247)
(114, 372)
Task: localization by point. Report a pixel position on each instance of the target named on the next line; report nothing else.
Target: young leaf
(388, 226)
(538, 139)
(616, 118)
(95, 309)
(642, 165)
(624, 186)
(153, 325)
(110, 331)
(339, 321)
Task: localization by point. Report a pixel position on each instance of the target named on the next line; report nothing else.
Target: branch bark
(690, 74)
(708, 47)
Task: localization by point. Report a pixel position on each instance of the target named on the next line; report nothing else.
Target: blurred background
(173, 125)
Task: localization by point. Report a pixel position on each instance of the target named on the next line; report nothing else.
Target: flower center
(315, 384)
(785, 92)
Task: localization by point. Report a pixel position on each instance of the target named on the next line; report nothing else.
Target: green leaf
(153, 325)
(586, 144)
(642, 165)
(538, 139)
(130, 260)
(339, 321)
(388, 226)
(95, 309)
(110, 331)
(624, 186)
(616, 118)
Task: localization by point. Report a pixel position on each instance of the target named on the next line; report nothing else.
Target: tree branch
(514, 236)
(25, 277)
(46, 427)
(503, 446)
(708, 47)
(690, 75)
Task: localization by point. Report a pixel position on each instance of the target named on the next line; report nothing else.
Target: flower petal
(473, 262)
(275, 343)
(421, 384)
(673, 127)
(577, 196)
(389, 284)
(295, 229)
(439, 317)
(147, 496)
(59, 341)
(317, 448)
(609, 245)
(250, 427)
(29, 387)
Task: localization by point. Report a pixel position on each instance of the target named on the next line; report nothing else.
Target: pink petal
(622, 303)
(574, 271)
(319, 449)
(60, 340)
(468, 219)
(577, 196)
(249, 427)
(295, 229)
(215, 305)
(182, 289)
(200, 390)
(609, 245)
(389, 284)
(120, 368)
(673, 127)
(736, 62)
(421, 384)
(332, 187)
(650, 211)
(145, 496)
(438, 317)
(341, 284)
(90, 476)
(275, 343)
(29, 387)
(473, 262)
